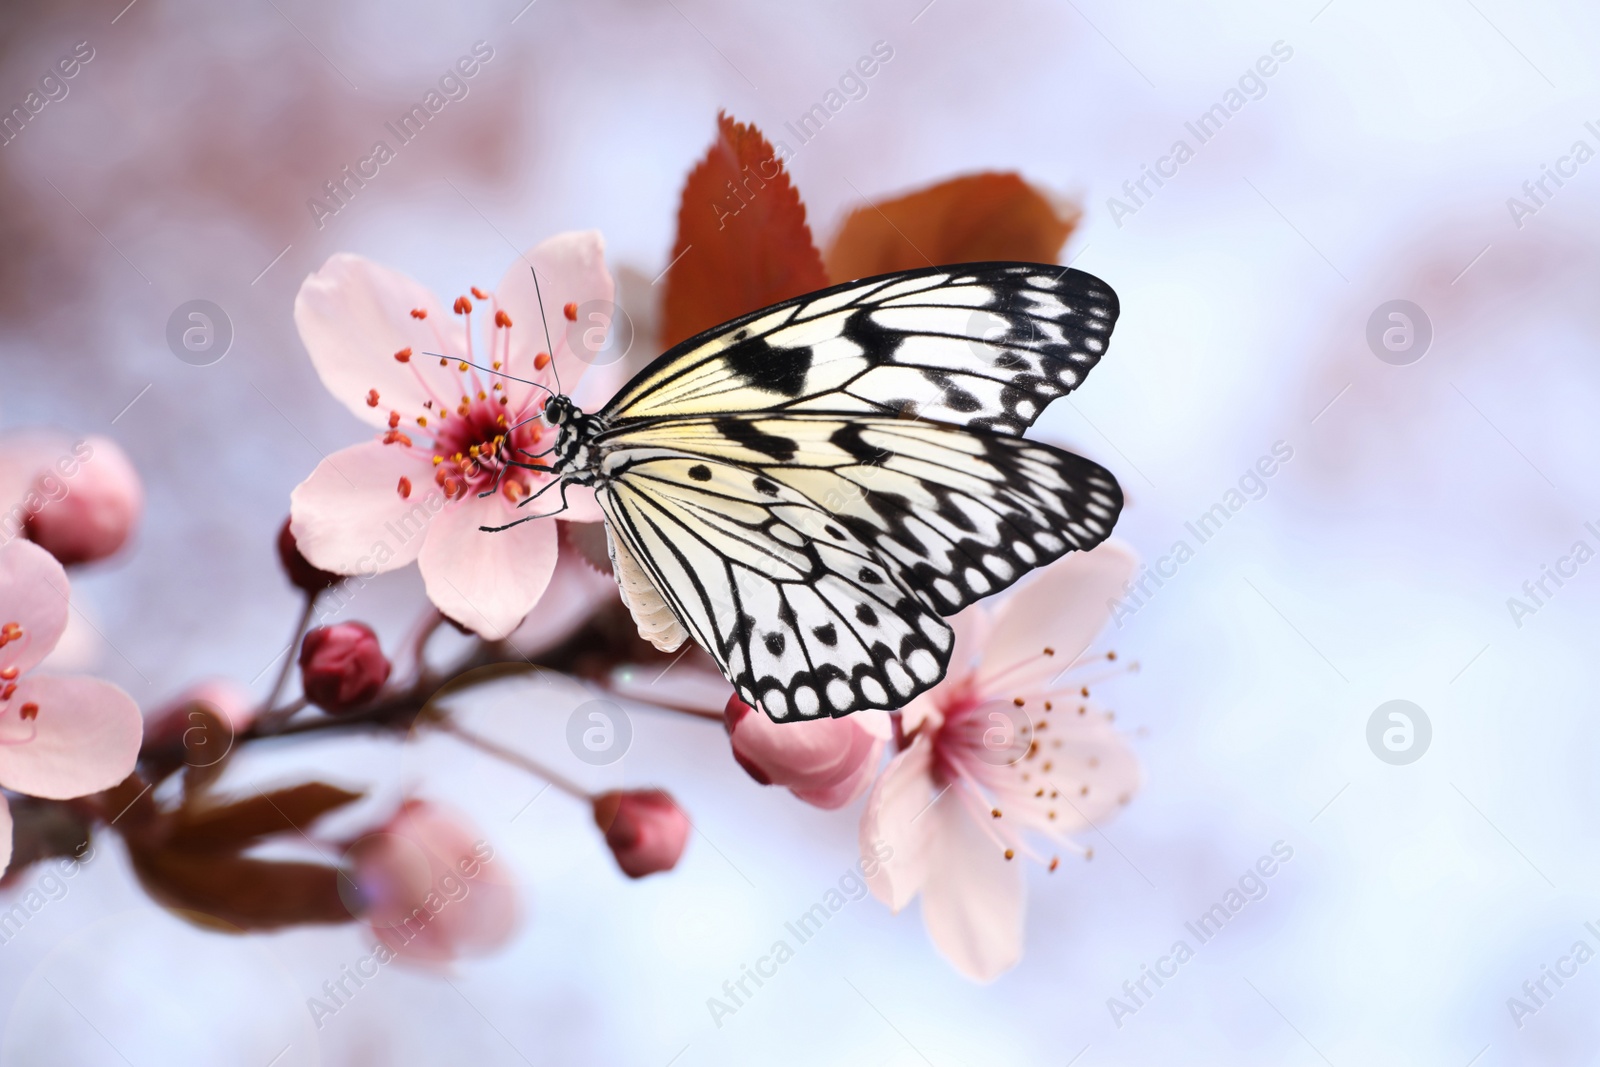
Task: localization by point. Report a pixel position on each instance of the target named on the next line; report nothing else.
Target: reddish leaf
(742, 237)
(239, 824)
(234, 893)
(963, 220)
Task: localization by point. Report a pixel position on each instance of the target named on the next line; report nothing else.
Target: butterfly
(810, 489)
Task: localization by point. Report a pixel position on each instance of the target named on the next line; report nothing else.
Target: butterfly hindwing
(956, 514)
(787, 525)
(985, 345)
(804, 625)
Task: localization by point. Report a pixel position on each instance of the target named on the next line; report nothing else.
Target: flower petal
(348, 517)
(575, 592)
(5, 834)
(354, 315)
(572, 270)
(487, 581)
(85, 738)
(973, 897)
(33, 594)
(896, 822)
(1062, 609)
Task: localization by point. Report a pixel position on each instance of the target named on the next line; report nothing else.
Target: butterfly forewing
(985, 345)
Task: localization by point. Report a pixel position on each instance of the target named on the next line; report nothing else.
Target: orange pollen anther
(437, 460)
(1010, 854)
(394, 419)
(29, 712)
(419, 313)
(372, 398)
(396, 437)
(502, 319)
(404, 488)
(11, 631)
(10, 673)
(479, 293)
(995, 813)
(422, 420)
(1049, 651)
(541, 361)
(463, 306)
(5, 694)
(1055, 861)
(504, 400)
(571, 312)
(500, 419)
(443, 362)
(403, 356)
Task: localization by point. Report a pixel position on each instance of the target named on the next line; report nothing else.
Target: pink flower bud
(645, 829)
(91, 497)
(826, 762)
(176, 721)
(430, 887)
(342, 666)
(299, 569)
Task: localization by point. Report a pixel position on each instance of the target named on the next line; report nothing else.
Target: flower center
(477, 424)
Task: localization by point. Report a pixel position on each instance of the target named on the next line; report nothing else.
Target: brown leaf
(239, 824)
(235, 893)
(978, 217)
(743, 242)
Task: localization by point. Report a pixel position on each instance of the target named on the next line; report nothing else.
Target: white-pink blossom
(1008, 749)
(60, 737)
(439, 466)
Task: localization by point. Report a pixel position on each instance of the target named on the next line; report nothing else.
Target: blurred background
(1384, 160)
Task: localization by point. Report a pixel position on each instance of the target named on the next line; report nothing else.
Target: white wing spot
(776, 703)
(873, 690)
(923, 665)
(839, 694)
(899, 680)
(806, 702)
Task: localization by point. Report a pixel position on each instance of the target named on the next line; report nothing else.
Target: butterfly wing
(802, 626)
(813, 555)
(985, 345)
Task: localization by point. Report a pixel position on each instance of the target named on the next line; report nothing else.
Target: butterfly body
(810, 489)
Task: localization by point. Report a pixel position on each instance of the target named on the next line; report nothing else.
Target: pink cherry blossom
(826, 762)
(59, 737)
(432, 889)
(436, 469)
(1007, 749)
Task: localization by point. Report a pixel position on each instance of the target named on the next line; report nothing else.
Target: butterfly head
(560, 410)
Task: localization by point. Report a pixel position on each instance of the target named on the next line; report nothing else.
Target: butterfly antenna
(501, 373)
(547, 345)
